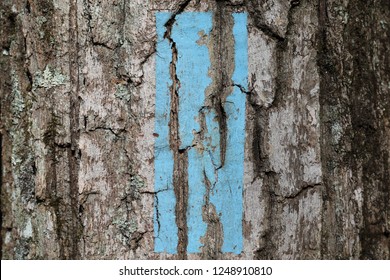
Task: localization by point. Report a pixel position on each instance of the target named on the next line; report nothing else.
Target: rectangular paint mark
(164, 218)
(199, 133)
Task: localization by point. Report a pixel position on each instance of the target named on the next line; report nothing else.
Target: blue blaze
(165, 228)
(192, 70)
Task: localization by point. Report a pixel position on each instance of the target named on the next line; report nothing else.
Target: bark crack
(157, 215)
(262, 25)
(213, 238)
(222, 73)
(116, 132)
(169, 24)
(73, 151)
(222, 57)
(267, 30)
(296, 194)
(180, 176)
(156, 206)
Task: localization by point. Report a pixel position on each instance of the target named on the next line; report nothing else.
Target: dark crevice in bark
(261, 166)
(4, 87)
(52, 195)
(73, 151)
(56, 196)
(222, 120)
(237, 7)
(116, 132)
(213, 239)
(294, 3)
(185, 149)
(242, 88)
(326, 67)
(268, 243)
(135, 239)
(169, 24)
(267, 30)
(180, 169)
(156, 207)
(257, 142)
(102, 44)
(88, 16)
(28, 6)
(30, 79)
(123, 21)
(222, 59)
(180, 182)
(149, 55)
(298, 193)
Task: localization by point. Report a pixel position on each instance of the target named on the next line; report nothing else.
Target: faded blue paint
(204, 159)
(165, 228)
(192, 70)
(227, 194)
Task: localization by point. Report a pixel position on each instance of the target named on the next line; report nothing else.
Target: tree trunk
(79, 127)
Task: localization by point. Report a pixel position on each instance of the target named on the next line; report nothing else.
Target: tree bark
(78, 89)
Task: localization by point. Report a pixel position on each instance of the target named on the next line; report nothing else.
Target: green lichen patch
(17, 132)
(17, 105)
(132, 190)
(136, 182)
(122, 92)
(126, 228)
(41, 20)
(49, 78)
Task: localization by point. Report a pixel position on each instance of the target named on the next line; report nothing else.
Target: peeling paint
(199, 130)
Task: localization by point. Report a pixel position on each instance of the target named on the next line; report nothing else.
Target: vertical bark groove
(180, 157)
(74, 151)
(223, 53)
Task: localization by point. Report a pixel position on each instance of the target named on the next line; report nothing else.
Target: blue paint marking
(164, 212)
(229, 199)
(192, 70)
(204, 159)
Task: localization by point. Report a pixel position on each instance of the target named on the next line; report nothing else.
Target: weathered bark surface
(355, 102)
(77, 122)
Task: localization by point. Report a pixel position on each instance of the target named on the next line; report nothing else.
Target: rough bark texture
(77, 122)
(355, 102)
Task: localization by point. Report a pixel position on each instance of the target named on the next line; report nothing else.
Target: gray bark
(77, 121)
